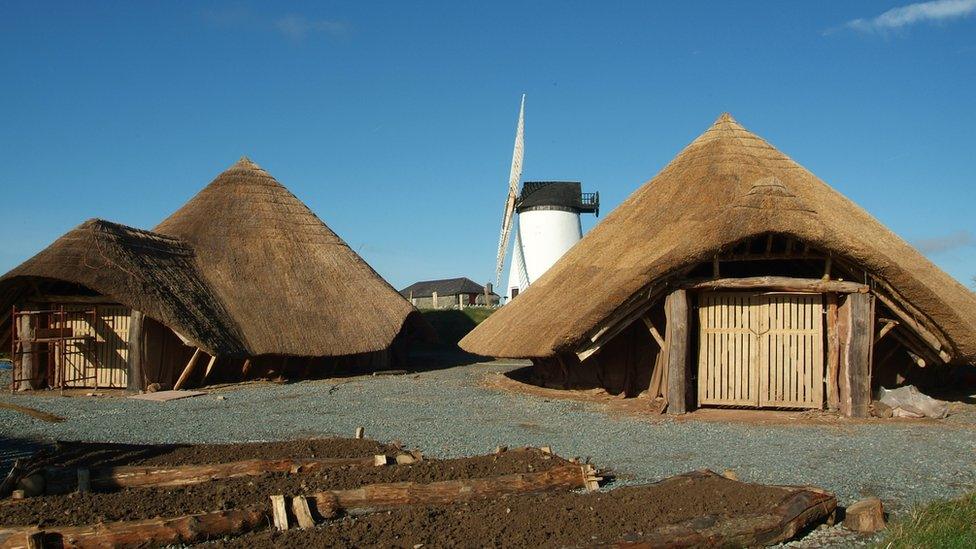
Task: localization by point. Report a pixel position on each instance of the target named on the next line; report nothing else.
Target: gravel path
(447, 413)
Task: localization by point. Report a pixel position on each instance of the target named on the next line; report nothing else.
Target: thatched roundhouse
(242, 280)
(735, 277)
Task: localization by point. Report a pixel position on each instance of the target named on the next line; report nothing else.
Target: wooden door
(101, 360)
(760, 350)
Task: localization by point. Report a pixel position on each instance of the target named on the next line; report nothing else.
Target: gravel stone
(448, 413)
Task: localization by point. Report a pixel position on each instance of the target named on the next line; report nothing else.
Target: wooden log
(857, 354)
(246, 369)
(143, 533)
(279, 512)
(676, 310)
(360, 432)
(778, 283)
(61, 480)
(188, 369)
(385, 496)
(833, 353)
(801, 508)
(302, 512)
(135, 381)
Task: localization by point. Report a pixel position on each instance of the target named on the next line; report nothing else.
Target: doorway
(762, 350)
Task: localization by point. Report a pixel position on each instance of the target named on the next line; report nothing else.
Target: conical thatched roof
(149, 272)
(727, 185)
(243, 269)
(292, 285)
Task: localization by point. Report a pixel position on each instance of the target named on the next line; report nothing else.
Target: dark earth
(132, 504)
(538, 520)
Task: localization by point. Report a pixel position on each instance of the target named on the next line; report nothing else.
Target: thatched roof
(149, 272)
(726, 186)
(244, 268)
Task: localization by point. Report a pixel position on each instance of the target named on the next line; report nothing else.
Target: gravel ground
(447, 413)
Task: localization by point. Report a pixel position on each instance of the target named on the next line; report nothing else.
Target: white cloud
(297, 27)
(903, 16)
(945, 243)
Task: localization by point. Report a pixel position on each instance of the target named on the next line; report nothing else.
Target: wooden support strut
(188, 370)
(930, 339)
(777, 283)
(833, 353)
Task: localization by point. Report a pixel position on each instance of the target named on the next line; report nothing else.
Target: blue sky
(394, 121)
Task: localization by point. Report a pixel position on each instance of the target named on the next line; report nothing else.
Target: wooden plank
(676, 309)
(857, 353)
(188, 369)
(777, 283)
(210, 365)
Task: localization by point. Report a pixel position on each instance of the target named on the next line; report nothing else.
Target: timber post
(857, 343)
(134, 381)
(676, 310)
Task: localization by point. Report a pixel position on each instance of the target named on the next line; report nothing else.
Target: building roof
(726, 186)
(556, 195)
(443, 287)
(242, 269)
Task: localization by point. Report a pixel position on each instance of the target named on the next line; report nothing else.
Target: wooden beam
(84, 299)
(654, 333)
(827, 267)
(937, 344)
(188, 369)
(210, 365)
(889, 324)
(246, 369)
(616, 323)
(676, 311)
(833, 353)
(134, 381)
(778, 283)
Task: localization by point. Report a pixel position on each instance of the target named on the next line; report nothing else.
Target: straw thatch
(726, 186)
(243, 269)
(149, 272)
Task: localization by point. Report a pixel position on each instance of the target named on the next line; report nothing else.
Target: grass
(451, 324)
(940, 524)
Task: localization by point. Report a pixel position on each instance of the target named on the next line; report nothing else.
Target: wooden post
(279, 512)
(302, 512)
(188, 370)
(433, 298)
(833, 353)
(135, 380)
(676, 310)
(858, 312)
(246, 369)
(24, 368)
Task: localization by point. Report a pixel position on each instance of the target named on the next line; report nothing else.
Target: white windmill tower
(548, 221)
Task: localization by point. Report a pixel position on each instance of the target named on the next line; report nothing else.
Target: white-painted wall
(544, 236)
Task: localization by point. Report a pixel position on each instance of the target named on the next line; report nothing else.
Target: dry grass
(950, 524)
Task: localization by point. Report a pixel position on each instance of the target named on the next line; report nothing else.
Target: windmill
(546, 220)
(515, 175)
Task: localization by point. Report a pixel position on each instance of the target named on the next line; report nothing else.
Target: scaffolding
(64, 339)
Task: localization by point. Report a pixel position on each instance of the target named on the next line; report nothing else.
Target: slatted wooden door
(760, 350)
(105, 365)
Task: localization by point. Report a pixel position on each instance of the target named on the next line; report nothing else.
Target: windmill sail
(513, 188)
